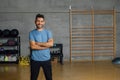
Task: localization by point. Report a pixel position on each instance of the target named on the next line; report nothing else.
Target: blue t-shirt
(40, 36)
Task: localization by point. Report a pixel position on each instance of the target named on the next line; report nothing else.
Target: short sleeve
(31, 37)
(50, 35)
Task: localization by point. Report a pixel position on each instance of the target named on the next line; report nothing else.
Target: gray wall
(20, 14)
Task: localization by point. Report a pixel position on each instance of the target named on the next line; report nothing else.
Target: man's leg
(47, 68)
(35, 67)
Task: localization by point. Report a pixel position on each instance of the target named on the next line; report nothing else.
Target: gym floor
(100, 70)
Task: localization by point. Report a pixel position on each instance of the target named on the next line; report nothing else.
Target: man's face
(39, 23)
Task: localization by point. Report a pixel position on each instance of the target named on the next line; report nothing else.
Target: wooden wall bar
(92, 40)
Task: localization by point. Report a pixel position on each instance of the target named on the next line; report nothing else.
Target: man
(40, 41)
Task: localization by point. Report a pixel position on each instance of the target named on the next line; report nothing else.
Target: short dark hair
(39, 16)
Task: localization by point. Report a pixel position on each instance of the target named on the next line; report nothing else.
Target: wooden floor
(103, 70)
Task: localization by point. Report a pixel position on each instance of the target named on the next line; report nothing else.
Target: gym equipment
(2, 57)
(1, 49)
(0, 33)
(11, 42)
(24, 60)
(6, 33)
(116, 60)
(14, 33)
(6, 58)
(1, 44)
(11, 51)
(56, 51)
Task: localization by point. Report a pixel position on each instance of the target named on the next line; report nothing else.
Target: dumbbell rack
(9, 53)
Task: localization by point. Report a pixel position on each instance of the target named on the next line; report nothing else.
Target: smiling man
(40, 41)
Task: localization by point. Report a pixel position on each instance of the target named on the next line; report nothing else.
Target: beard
(39, 26)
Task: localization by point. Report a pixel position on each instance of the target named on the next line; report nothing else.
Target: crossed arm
(41, 45)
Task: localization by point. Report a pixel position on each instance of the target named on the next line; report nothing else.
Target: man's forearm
(37, 47)
(44, 44)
